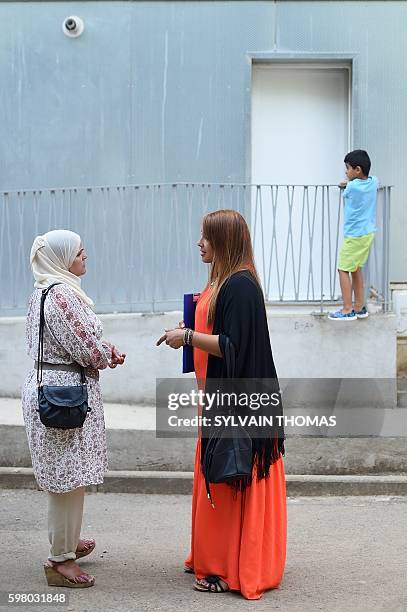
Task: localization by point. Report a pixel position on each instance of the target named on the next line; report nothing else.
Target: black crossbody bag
(59, 407)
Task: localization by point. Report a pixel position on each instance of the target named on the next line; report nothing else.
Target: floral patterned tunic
(64, 459)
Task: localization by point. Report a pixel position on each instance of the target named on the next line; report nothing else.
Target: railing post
(322, 253)
(386, 243)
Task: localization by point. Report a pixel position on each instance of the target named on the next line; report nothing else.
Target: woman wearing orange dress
(238, 542)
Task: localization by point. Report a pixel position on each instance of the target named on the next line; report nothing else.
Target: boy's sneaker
(362, 314)
(342, 316)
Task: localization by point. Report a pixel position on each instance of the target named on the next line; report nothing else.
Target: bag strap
(40, 355)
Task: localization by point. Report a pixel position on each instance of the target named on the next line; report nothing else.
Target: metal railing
(297, 233)
(141, 241)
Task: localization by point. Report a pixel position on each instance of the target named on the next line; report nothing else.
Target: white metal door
(300, 134)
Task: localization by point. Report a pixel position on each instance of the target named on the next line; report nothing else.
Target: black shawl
(241, 322)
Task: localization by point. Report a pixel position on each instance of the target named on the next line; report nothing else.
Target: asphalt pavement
(344, 553)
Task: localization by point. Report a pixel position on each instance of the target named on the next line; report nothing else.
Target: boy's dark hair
(359, 158)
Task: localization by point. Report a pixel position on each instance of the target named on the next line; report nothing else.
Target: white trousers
(65, 511)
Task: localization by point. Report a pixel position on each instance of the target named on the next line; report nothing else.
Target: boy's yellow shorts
(354, 252)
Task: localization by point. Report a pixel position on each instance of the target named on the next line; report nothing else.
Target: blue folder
(190, 300)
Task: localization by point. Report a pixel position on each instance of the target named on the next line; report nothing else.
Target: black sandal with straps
(214, 585)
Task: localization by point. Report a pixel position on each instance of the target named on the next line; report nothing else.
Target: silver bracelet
(186, 336)
(188, 333)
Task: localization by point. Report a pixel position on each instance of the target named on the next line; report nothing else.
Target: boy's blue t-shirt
(360, 206)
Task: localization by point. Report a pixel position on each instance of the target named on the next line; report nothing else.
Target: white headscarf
(51, 257)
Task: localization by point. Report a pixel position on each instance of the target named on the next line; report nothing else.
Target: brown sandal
(55, 578)
(89, 547)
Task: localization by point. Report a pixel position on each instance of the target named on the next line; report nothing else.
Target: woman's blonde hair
(229, 237)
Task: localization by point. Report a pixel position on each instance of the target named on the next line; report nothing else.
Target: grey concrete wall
(160, 91)
(304, 346)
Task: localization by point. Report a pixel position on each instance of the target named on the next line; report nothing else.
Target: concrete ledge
(136, 447)
(180, 483)
(17, 478)
(307, 485)
(304, 346)
(166, 483)
(135, 450)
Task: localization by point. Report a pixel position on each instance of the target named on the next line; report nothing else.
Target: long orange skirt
(242, 539)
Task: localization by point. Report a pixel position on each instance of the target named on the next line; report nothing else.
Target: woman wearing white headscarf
(65, 461)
